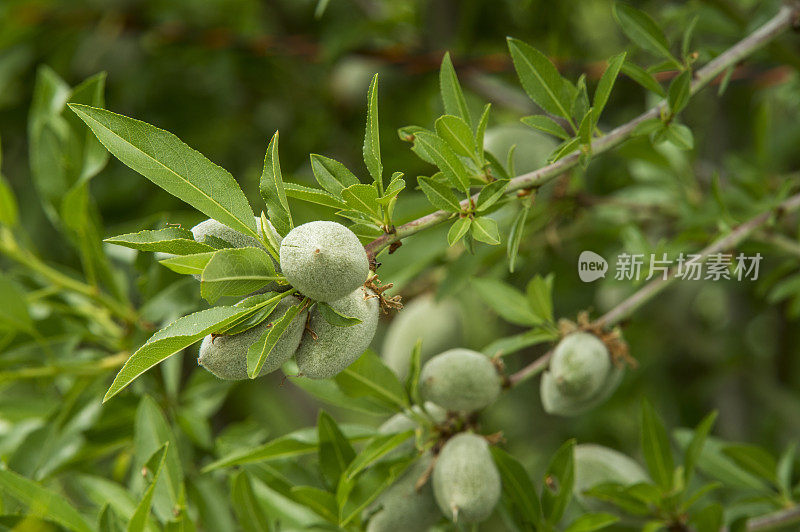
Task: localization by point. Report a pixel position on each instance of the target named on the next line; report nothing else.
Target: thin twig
(648, 291)
(777, 519)
(783, 20)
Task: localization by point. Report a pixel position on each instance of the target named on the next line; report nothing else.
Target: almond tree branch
(786, 18)
(651, 289)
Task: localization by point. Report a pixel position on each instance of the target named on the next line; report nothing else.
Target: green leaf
(518, 488)
(332, 175)
(175, 337)
(546, 124)
(265, 304)
(139, 518)
(363, 198)
(258, 352)
(643, 78)
(755, 460)
(564, 149)
(236, 272)
(452, 95)
(445, 159)
(695, 447)
(457, 134)
(42, 502)
(334, 317)
(540, 297)
(189, 264)
(414, 368)
(490, 194)
(606, 83)
(249, 513)
(162, 158)
(643, 30)
(709, 519)
(480, 131)
(320, 501)
(591, 522)
(558, 482)
(272, 189)
(9, 213)
(656, 448)
(515, 236)
(679, 92)
(369, 377)
(312, 195)
(14, 309)
(485, 230)
(506, 300)
(151, 433)
(517, 342)
(376, 448)
(679, 136)
(335, 452)
(458, 229)
(540, 78)
(372, 145)
(172, 240)
(440, 195)
(686, 41)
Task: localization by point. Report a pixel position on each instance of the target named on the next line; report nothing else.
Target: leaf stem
(785, 18)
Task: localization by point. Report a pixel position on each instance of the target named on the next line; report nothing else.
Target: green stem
(781, 22)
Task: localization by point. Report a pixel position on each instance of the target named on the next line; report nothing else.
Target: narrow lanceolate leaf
(450, 88)
(193, 264)
(507, 301)
(458, 230)
(372, 145)
(591, 522)
(9, 213)
(334, 317)
(165, 160)
(480, 131)
(42, 502)
(172, 240)
(518, 488)
(485, 230)
(332, 175)
(249, 512)
(272, 190)
(546, 124)
(558, 482)
(142, 512)
(643, 30)
(679, 92)
(175, 337)
(490, 194)
(695, 447)
(313, 195)
(362, 198)
(643, 78)
(656, 448)
(236, 272)
(447, 161)
(439, 195)
(457, 134)
(369, 377)
(376, 448)
(14, 310)
(606, 83)
(265, 302)
(335, 452)
(515, 237)
(539, 78)
(258, 352)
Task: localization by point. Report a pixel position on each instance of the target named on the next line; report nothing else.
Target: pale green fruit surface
(595, 464)
(580, 365)
(437, 323)
(401, 507)
(555, 402)
(466, 482)
(226, 356)
(335, 347)
(324, 260)
(460, 379)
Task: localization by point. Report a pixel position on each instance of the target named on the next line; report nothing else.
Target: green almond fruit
(323, 260)
(460, 380)
(401, 507)
(226, 355)
(466, 482)
(438, 324)
(580, 365)
(334, 348)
